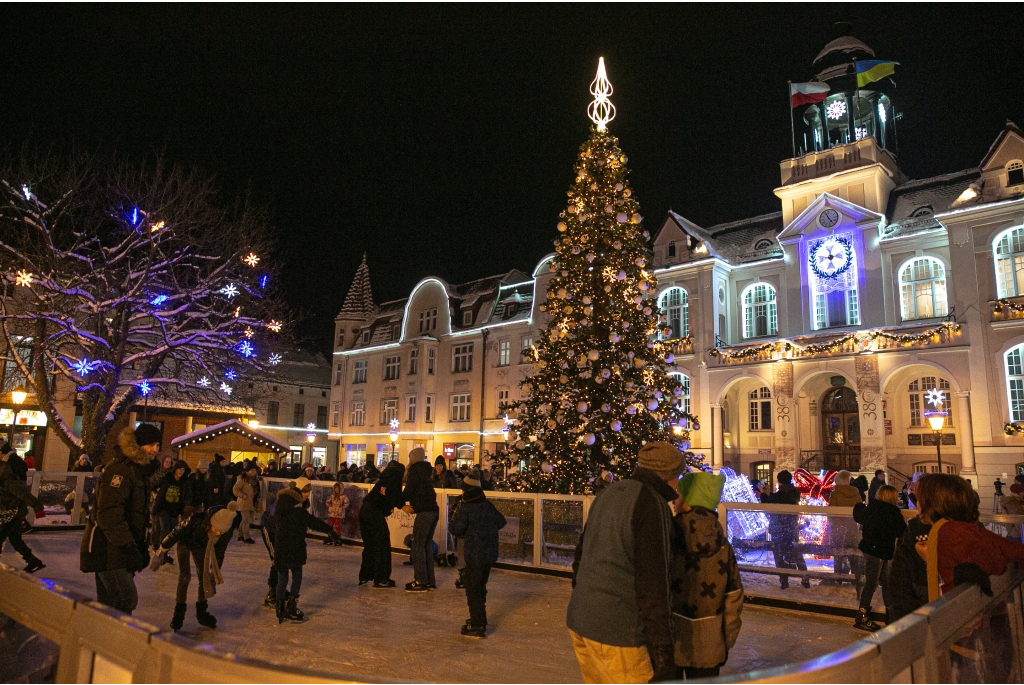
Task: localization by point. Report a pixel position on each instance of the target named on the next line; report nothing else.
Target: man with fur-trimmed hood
(114, 546)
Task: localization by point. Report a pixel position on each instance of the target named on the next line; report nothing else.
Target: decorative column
(872, 425)
(963, 403)
(717, 438)
(785, 417)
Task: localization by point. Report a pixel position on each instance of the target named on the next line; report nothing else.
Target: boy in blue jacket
(478, 522)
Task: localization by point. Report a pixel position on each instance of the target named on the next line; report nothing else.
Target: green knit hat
(701, 489)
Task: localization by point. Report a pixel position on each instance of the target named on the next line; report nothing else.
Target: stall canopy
(233, 439)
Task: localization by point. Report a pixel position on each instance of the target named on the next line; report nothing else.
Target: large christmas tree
(601, 385)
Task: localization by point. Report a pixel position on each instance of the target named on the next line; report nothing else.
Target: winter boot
(204, 617)
(178, 619)
(292, 612)
(34, 564)
(460, 582)
(864, 622)
(280, 606)
(271, 599)
(474, 631)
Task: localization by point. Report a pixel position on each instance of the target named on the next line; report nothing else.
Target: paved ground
(392, 634)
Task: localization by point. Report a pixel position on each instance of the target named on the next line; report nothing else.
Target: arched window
(1014, 173)
(674, 303)
(1015, 382)
(923, 289)
(684, 399)
(760, 317)
(760, 409)
(917, 395)
(1009, 249)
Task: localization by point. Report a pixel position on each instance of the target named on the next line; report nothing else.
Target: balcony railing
(1007, 308)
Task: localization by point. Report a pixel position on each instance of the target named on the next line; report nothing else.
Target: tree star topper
(601, 110)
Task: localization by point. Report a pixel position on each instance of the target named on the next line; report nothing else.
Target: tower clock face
(828, 218)
(831, 257)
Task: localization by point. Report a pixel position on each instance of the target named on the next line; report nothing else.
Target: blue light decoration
(134, 216)
(230, 374)
(246, 349)
(745, 525)
(831, 257)
(264, 279)
(274, 359)
(158, 300)
(145, 388)
(26, 191)
(83, 367)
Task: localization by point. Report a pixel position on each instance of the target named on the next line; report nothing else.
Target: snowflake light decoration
(229, 291)
(23, 278)
(83, 367)
(274, 326)
(935, 398)
(226, 389)
(831, 257)
(246, 349)
(158, 300)
(311, 426)
(157, 227)
(251, 259)
(274, 359)
(608, 273)
(836, 109)
(263, 280)
(249, 332)
(393, 423)
(203, 382)
(231, 374)
(145, 388)
(648, 377)
(563, 325)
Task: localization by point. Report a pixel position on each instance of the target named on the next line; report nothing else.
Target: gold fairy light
(251, 259)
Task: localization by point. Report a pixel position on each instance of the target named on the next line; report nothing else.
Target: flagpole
(792, 126)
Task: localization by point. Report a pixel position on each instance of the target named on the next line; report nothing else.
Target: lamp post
(393, 434)
(936, 419)
(18, 396)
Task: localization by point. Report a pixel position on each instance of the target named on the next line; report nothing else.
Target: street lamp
(936, 419)
(18, 396)
(393, 434)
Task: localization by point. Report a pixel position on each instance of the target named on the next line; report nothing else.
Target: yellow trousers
(600, 663)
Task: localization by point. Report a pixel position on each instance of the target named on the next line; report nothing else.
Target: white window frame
(414, 361)
(431, 358)
(923, 288)
(392, 367)
(684, 400)
(758, 398)
(527, 344)
(462, 358)
(503, 398)
(410, 408)
(366, 336)
(1013, 362)
(1008, 254)
(467, 318)
(428, 409)
(359, 371)
(757, 305)
(338, 373)
(461, 405)
(674, 304)
(358, 414)
(504, 352)
(917, 404)
(388, 411)
(335, 414)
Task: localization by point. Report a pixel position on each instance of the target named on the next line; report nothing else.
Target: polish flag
(807, 93)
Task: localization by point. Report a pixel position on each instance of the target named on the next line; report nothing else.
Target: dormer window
(366, 336)
(467, 318)
(926, 210)
(510, 310)
(1015, 173)
(671, 249)
(763, 244)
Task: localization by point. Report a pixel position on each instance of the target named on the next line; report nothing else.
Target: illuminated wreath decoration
(847, 255)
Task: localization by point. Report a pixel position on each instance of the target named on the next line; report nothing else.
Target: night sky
(440, 140)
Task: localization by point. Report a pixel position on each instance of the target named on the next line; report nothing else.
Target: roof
(847, 45)
(359, 301)
(303, 368)
(737, 241)
(231, 426)
(912, 206)
(1009, 128)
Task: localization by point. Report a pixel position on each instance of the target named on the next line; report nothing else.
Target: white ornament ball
(622, 218)
(562, 292)
(546, 467)
(669, 358)
(621, 275)
(641, 262)
(657, 393)
(606, 408)
(561, 227)
(614, 337)
(652, 405)
(616, 426)
(593, 355)
(618, 187)
(586, 299)
(625, 325)
(520, 444)
(643, 285)
(607, 288)
(677, 392)
(581, 407)
(684, 445)
(631, 410)
(591, 257)
(605, 373)
(589, 439)
(635, 219)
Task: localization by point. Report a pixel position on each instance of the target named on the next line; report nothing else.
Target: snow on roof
(846, 44)
(912, 206)
(232, 426)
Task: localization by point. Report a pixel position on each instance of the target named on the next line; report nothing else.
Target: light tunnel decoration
(742, 524)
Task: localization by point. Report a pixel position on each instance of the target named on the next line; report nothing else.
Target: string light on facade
(251, 259)
(23, 278)
(601, 110)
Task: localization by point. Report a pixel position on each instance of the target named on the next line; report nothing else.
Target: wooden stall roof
(257, 437)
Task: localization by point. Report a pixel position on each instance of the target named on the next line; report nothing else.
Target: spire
(601, 110)
(359, 302)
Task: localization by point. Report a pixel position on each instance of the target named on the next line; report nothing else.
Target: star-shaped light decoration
(145, 388)
(203, 382)
(274, 326)
(83, 367)
(157, 227)
(226, 389)
(231, 374)
(274, 359)
(229, 291)
(23, 278)
(251, 259)
(935, 398)
(246, 349)
(393, 423)
(249, 332)
(158, 300)
(311, 426)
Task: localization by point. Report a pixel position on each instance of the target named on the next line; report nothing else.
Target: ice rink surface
(392, 634)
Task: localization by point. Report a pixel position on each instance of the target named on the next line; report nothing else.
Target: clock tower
(845, 143)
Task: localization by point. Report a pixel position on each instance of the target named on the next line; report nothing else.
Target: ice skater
(15, 498)
(336, 507)
(373, 526)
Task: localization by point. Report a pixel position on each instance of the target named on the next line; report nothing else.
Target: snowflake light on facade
(226, 389)
(935, 397)
(311, 426)
(23, 278)
(251, 259)
(229, 291)
(274, 359)
(203, 382)
(231, 374)
(393, 423)
(274, 326)
(145, 388)
(836, 109)
(246, 349)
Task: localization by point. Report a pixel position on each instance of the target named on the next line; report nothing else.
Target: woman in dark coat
(883, 525)
(290, 523)
(373, 526)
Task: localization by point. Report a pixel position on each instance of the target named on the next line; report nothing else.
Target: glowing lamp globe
(936, 421)
(18, 395)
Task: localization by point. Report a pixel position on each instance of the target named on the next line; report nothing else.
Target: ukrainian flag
(870, 70)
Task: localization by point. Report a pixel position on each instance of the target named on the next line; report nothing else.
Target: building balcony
(840, 343)
(1007, 309)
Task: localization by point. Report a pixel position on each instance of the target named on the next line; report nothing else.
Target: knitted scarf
(211, 575)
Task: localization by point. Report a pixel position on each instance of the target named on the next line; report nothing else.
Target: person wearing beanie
(441, 477)
(291, 522)
(171, 498)
(15, 499)
(114, 544)
(378, 504)
(707, 593)
(785, 530)
(204, 536)
(477, 522)
(337, 504)
(422, 501)
(620, 613)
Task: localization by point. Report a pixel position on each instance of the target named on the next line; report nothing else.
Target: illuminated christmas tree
(601, 385)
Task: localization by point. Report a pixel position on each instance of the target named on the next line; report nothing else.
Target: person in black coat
(199, 490)
(217, 477)
(15, 498)
(204, 536)
(171, 498)
(785, 529)
(422, 501)
(18, 466)
(373, 526)
(291, 521)
(883, 525)
(908, 575)
(441, 477)
(478, 522)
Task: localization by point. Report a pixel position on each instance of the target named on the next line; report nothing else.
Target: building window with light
(359, 371)
(1015, 382)
(674, 304)
(1009, 254)
(504, 352)
(684, 400)
(462, 358)
(1015, 173)
(761, 409)
(358, 417)
(917, 391)
(923, 289)
(760, 317)
(392, 367)
(832, 276)
(388, 411)
(460, 407)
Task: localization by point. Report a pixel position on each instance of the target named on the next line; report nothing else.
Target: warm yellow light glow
(601, 110)
(936, 422)
(23, 278)
(677, 430)
(18, 395)
(251, 259)
(254, 423)
(157, 227)
(310, 437)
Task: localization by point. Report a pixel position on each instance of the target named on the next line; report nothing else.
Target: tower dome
(835, 58)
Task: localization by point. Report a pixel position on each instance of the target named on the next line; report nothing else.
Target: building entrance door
(840, 426)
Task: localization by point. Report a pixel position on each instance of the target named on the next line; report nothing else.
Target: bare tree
(122, 280)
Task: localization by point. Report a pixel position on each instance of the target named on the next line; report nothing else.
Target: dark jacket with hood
(173, 495)
(620, 591)
(386, 493)
(115, 536)
(217, 477)
(883, 525)
(908, 576)
(193, 534)
(419, 491)
(783, 526)
(707, 593)
(291, 521)
(198, 492)
(478, 521)
(18, 466)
